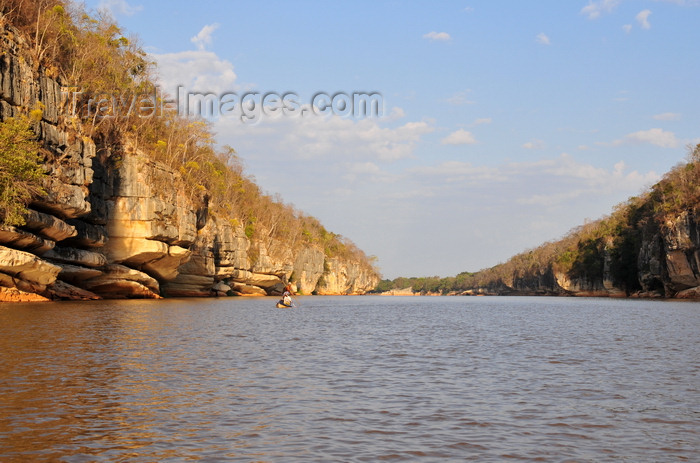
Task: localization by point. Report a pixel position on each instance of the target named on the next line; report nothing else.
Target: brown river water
(351, 379)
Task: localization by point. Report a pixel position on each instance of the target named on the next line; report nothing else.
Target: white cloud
(203, 37)
(294, 136)
(195, 70)
(117, 7)
(534, 145)
(643, 19)
(457, 172)
(483, 120)
(460, 98)
(396, 113)
(459, 137)
(683, 2)
(369, 171)
(437, 36)
(595, 8)
(564, 179)
(313, 138)
(627, 28)
(656, 137)
(668, 117)
(551, 183)
(543, 39)
(549, 200)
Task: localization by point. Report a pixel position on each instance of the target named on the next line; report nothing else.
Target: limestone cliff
(116, 224)
(666, 263)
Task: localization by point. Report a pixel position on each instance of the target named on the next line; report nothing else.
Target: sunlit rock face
(681, 242)
(344, 277)
(114, 223)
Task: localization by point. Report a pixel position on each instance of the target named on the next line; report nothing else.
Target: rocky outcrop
(342, 277)
(681, 246)
(666, 264)
(308, 269)
(116, 224)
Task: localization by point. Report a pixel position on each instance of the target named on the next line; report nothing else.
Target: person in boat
(288, 290)
(287, 295)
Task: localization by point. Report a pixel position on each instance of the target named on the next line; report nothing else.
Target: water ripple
(350, 379)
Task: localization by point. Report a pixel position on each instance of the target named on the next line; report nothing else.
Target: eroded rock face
(118, 282)
(118, 224)
(345, 278)
(26, 241)
(26, 266)
(308, 269)
(49, 226)
(681, 238)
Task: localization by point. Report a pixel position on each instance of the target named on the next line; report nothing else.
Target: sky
(499, 125)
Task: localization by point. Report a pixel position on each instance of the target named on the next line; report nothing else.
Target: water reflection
(349, 379)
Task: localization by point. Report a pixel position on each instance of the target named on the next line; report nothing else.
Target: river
(351, 379)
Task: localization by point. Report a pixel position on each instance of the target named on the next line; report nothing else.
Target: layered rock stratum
(115, 224)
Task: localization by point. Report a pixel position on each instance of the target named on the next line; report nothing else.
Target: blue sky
(505, 123)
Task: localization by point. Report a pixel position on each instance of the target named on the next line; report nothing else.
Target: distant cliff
(115, 223)
(648, 247)
(665, 262)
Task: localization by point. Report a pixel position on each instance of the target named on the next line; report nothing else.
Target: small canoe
(282, 305)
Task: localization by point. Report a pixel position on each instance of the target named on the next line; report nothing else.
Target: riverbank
(689, 294)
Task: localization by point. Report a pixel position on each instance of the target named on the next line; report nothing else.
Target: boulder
(8, 281)
(690, 293)
(24, 240)
(166, 268)
(268, 282)
(76, 274)
(118, 279)
(247, 290)
(77, 257)
(49, 226)
(61, 290)
(221, 289)
(26, 266)
(116, 288)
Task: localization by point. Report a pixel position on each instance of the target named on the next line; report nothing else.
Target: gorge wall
(663, 262)
(116, 224)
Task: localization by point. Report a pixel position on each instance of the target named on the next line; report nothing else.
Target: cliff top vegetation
(578, 253)
(91, 52)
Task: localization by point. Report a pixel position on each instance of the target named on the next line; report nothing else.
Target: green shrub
(21, 172)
